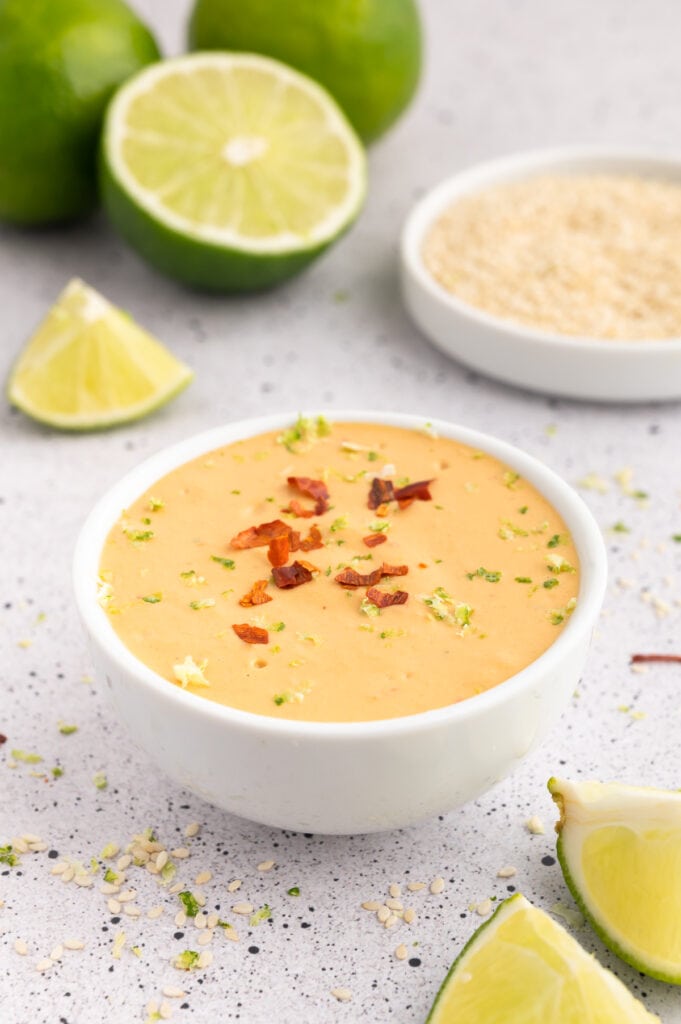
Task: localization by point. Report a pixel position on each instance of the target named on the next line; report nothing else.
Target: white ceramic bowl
(346, 777)
(586, 368)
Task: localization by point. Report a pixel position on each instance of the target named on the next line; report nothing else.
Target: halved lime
(89, 366)
(229, 171)
(620, 851)
(521, 967)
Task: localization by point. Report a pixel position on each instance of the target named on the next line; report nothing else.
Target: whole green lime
(366, 52)
(60, 61)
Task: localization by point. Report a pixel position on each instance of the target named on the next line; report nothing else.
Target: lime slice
(620, 851)
(89, 366)
(521, 967)
(229, 171)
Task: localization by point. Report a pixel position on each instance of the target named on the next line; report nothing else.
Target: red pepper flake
(256, 595)
(419, 491)
(374, 539)
(260, 536)
(296, 509)
(278, 550)
(640, 659)
(381, 491)
(394, 570)
(251, 634)
(315, 489)
(384, 600)
(3, 739)
(286, 576)
(313, 541)
(351, 578)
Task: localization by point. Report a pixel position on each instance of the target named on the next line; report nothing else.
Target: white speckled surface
(501, 75)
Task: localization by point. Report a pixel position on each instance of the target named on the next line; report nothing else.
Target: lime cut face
(620, 851)
(229, 162)
(89, 366)
(521, 967)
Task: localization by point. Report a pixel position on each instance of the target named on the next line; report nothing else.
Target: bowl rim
(488, 173)
(576, 514)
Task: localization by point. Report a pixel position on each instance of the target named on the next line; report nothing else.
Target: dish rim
(578, 519)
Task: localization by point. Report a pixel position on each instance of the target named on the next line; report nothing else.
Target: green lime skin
(200, 265)
(60, 61)
(366, 52)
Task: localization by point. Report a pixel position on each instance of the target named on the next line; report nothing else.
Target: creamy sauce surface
(492, 575)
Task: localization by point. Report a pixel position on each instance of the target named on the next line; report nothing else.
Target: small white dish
(345, 777)
(584, 368)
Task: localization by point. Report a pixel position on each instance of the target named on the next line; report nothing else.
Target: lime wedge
(229, 171)
(620, 851)
(521, 967)
(90, 366)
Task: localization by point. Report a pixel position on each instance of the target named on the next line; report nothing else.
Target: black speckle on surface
(254, 949)
(414, 962)
(548, 861)
(178, 935)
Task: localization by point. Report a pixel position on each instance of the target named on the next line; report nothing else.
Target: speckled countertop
(501, 76)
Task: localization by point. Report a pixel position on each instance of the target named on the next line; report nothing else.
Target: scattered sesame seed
(231, 934)
(84, 880)
(343, 995)
(44, 965)
(394, 904)
(38, 847)
(391, 921)
(130, 910)
(212, 920)
(395, 890)
(180, 919)
(57, 953)
(409, 915)
(416, 886)
(19, 844)
(59, 868)
(155, 912)
(200, 898)
(234, 885)
(484, 908)
(371, 905)
(205, 937)
(171, 992)
(437, 886)
(30, 837)
(114, 906)
(174, 889)
(117, 947)
(266, 865)
(165, 1011)
(401, 953)
(535, 825)
(127, 896)
(124, 862)
(639, 669)
(74, 944)
(68, 874)
(507, 872)
(20, 947)
(109, 889)
(152, 1008)
(200, 920)
(192, 829)
(180, 853)
(242, 908)
(383, 913)
(203, 877)
(206, 958)
(161, 860)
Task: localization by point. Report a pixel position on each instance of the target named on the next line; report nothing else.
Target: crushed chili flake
(286, 576)
(394, 570)
(384, 600)
(351, 578)
(374, 539)
(251, 634)
(296, 509)
(313, 541)
(380, 492)
(278, 550)
(3, 739)
(315, 489)
(256, 595)
(419, 491)
(639, 659)
(260, 536)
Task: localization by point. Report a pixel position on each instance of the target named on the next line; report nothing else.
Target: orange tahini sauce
(480, 567)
